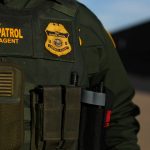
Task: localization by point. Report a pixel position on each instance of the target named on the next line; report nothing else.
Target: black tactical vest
(42, 70)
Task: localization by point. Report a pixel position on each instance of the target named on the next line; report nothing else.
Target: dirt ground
(142, 99)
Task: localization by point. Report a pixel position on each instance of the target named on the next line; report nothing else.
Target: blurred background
(129, 23)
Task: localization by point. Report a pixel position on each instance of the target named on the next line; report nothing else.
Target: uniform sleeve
(122, 132)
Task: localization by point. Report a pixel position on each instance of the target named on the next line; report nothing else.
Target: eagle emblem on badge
(57, 39)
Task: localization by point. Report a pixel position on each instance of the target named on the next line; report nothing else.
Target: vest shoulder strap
(68, 8)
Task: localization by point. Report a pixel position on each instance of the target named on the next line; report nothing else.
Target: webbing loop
(93, 98)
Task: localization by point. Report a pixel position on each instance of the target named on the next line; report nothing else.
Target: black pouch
(55, 117)
(92, 121)
(11, 108)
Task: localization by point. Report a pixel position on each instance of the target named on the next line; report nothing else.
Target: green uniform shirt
(100, 62)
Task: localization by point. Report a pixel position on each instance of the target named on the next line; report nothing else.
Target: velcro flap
(52, 113)
(72, 113)
(11, 108)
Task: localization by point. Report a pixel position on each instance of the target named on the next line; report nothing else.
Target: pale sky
(119, 14)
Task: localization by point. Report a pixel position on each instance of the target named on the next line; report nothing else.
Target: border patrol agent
(62, 85)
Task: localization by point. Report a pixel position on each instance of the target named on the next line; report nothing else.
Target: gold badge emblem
(57, 39)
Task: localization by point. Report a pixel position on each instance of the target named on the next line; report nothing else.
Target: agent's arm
(122, 132)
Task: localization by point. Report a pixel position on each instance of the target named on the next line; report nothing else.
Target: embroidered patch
(57, 39)
(10, 35)
(80, 40)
